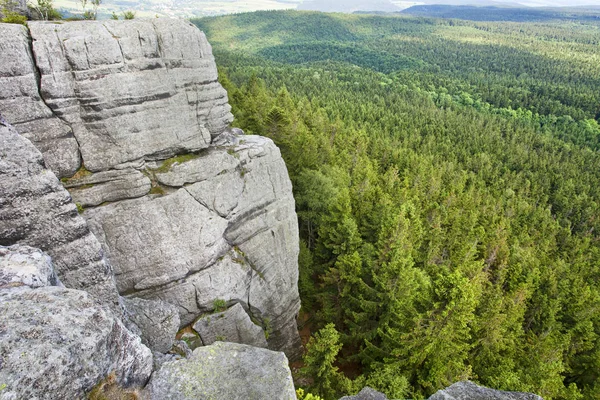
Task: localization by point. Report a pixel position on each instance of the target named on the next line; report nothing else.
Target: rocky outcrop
(366, 393)
(225, 371)
(158, 322)
(131, 115)
(58, 342)
(90, 75)
(232, 325)
(223, 227)
(22, 104)
(466, 390)
(35, 210)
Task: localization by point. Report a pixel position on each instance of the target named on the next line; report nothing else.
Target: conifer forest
(447, 183)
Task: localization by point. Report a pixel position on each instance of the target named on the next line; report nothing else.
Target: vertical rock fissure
(38, 82)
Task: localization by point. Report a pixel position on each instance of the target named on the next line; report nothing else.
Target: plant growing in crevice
(219, 305)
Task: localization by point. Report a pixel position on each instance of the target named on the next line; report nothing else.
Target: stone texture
(108, 186)
(225, 371)
(231, 325)
(227, 230)
(22, 105)
(466, 390)
(25, 266)
(20, 6)
(90, 74)
(366, 393)
(153, 242)
(58, 343)
(35, 210)
(157, 320)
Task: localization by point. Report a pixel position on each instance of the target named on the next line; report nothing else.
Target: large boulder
(36, 210)
(467, 390)
(231, 325)
(57, 343)
(131, 115)
(225, 371)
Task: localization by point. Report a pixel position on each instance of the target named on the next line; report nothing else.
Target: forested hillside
(447, 181)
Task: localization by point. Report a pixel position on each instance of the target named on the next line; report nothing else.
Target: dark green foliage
(448, 209)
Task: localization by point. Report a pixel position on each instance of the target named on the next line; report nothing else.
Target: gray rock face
(232, 325)
(225, 371)
(126, 99)
(366, 394)
(108, 186)
(20, 6)
(35, 210)
(58, 343)
(91, 74)
(225, 229)
(25, 266)
(22, 105)
(157, 320)
(467, 390)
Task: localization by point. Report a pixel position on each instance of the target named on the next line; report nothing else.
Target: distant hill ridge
(348, 6)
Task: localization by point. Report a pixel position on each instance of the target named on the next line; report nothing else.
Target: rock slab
(232, 325)
(157, 320)
(467, 390)
(57, 343)
(35, 210)
(225, 371)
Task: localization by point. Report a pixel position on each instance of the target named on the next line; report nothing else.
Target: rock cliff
(131, 116)
(163, 217)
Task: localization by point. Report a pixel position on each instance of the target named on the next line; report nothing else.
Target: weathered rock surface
(35, 210)
(466, 390)
(19, 6)
(366, 393)
(107, 186)
(232, 325)
(127, 99)
(90, 75)
(25, 266)
(157, 320)
(226, 230)
(57, 343)
(225, 371)
(22, 105)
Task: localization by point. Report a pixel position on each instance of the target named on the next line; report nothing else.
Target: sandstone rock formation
(58, 342)
(158, 322)
(225, 371)
(467, 390)
(223, 229)
(131, 116)
(366, 393)
(232, 325)
(35, 210)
